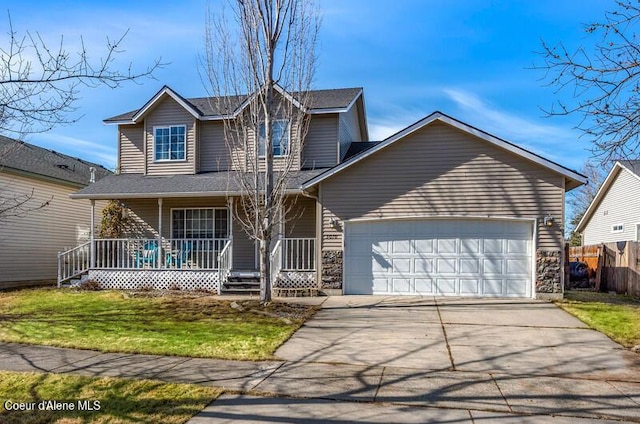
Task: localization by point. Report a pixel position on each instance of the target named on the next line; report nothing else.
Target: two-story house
(439, 208)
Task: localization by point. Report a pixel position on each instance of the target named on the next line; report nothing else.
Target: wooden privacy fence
(616, 265)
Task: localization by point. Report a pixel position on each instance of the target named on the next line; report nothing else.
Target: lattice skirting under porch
(150, 279)
(296, 279)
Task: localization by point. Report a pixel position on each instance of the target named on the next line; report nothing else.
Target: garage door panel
(401, 266)
(423, 265)
(446, 266)
(402, 285)
(492, 287)
(439, 257)
(492, 266)
(446, 286)
(468, 246)
(469, 266)
(424, 246)
(401, 246)
(424, 285)
(492, 246)
(518, 266)
(446, 245)
(469, 286)
(381, 285)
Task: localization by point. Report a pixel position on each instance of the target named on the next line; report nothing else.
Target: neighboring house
(30, 237)
(614, 213)
(440, 208)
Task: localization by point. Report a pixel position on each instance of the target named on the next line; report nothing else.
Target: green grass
(616, 316)
(113, 321)
(120, 400)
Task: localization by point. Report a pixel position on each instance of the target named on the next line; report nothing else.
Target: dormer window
(280, 130)
(170, 142)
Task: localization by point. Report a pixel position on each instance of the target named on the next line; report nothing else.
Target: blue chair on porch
(148, 255)
(182, 256)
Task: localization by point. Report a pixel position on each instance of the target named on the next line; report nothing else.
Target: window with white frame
(280, 131)
(200, 223)
(617, 228)
(169, 142)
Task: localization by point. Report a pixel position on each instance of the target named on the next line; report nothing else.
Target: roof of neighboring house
(319, 101)
(126, 186)
(632, 166)
(358, 147)
(573, 178)
(22, 157)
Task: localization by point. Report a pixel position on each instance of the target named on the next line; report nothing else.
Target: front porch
(182, 264)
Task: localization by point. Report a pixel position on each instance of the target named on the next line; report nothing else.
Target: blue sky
(468, 58)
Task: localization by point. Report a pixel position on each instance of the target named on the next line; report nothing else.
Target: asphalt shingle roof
(139, 185)
(631, 165)
(210, 106)
(20, 156)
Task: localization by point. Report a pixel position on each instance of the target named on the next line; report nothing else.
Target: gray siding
(440, 171)
(620, 205)
(169, 112)
(301, 220)
(320, 149)
(29, 244)
(349, 129)
(213, 152)
(131, 149)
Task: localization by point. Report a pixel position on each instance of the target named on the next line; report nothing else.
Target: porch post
(230, 205)
(92, 247)
(159, 232)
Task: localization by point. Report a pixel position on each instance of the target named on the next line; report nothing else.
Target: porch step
(242, 282)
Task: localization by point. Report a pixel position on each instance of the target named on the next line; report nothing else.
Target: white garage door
(439, 257)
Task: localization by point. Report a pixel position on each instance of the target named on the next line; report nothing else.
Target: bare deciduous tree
(603, 82)
(40, 84)
(259, 65)
(580, 198)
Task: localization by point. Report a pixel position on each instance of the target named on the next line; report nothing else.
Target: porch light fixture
(548, 220)
(335, 223)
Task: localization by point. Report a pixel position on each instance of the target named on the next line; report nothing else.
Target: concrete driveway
(477, 356)
(521, 337)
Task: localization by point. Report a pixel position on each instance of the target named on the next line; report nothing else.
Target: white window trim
(229, 218)
(637, 227)
(614, 231)
(155, 148)
(288, 139)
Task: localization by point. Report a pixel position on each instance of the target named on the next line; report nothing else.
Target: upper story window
(617, 228)
(170, 142)
(280, 129)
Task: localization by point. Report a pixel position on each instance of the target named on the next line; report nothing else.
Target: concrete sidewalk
(306, 391)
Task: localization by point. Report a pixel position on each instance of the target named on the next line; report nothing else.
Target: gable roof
(208, 108)
(25, 158)
(573, 178)
(631, 166)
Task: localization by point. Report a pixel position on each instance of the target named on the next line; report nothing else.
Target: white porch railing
(276, 261)
(299, 254)
(224, 264)
(148, 254)
(74, 262)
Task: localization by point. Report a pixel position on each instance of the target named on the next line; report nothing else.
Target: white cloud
(554, 142)
(83, 149)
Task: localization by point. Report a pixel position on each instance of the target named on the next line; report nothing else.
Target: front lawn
(616, 316)
(178, 324)
(101, 400)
